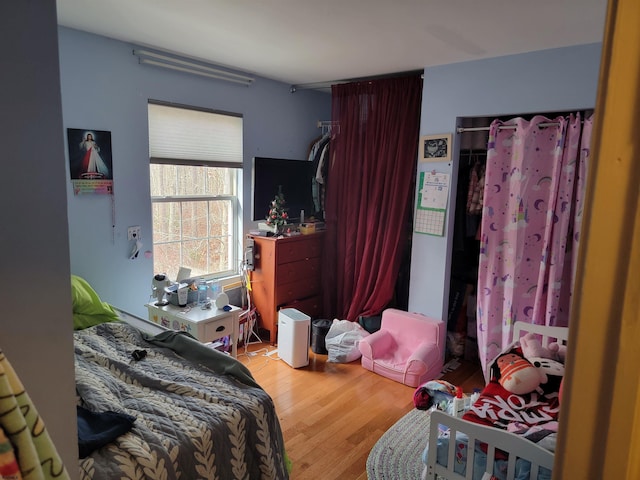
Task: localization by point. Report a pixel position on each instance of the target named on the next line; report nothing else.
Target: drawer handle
(220, 328)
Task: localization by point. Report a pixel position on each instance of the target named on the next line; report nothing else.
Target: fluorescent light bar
(174, 63)
(193, 71)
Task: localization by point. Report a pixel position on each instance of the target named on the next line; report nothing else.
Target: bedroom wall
(35, 324)
(104, 88)
(563, 79)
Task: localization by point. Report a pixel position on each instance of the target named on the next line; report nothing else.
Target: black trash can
(319, 330)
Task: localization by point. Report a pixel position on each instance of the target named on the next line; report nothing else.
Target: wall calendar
(433, 195)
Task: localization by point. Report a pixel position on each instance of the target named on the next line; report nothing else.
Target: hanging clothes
(476, 189)
(319, 155)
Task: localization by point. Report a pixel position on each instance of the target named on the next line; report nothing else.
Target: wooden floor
(333, 413)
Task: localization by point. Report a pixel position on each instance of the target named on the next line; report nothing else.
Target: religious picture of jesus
(90, 162)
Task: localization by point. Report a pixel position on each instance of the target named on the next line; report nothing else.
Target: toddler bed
(166, 406)
(505, 435)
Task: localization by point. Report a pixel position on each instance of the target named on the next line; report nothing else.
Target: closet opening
(470, 243)
(461, 318)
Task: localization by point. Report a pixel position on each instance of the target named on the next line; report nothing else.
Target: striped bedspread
(190, 422)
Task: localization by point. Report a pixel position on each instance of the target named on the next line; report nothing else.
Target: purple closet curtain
(533, 202)
(369, 192)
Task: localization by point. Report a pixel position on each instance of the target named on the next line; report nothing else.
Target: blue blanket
(96, 429)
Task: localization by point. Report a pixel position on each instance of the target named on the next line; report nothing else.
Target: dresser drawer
(292, 251)
(300, 270)
(216, 329)
(311, 306)
(300, 289)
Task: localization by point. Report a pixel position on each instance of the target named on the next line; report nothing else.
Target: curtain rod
(505, 127)
(328, 84)
(502, 127)
(327, 123)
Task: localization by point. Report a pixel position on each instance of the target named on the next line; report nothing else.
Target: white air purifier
(293, 337)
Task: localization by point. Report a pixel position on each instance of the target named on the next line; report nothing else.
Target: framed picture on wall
(435, 148)
(90, 162)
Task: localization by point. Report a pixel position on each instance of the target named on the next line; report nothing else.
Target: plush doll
(558, 351)
(517, 375)
(546, 367)
(532, 348)
(544, 359)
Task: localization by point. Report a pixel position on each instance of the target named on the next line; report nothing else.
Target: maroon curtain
(369, 192)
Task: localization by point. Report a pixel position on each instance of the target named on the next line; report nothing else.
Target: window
(195, 166)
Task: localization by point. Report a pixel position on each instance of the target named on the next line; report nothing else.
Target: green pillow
(88, 309)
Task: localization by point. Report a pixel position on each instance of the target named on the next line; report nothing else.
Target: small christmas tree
(277, 212)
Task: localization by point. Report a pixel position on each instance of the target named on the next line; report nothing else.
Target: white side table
(206, 325)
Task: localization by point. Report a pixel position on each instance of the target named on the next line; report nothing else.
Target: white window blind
(194, 136)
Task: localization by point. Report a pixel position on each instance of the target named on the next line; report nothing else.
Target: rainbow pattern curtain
(530, 231)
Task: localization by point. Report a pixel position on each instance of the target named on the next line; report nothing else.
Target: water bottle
(202, 291)
(215, 290)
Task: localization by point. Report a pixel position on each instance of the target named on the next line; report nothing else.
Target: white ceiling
(305, 41)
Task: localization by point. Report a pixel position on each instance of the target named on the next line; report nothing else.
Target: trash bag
(342, 341)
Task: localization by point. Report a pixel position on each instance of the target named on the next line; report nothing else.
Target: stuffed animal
(559, 351)
(517, 375)
(532, 348)
(544, 359)
(546, 366)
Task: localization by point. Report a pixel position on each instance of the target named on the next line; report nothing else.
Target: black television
(295, 179)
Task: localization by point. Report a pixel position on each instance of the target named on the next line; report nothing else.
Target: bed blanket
(190, 422)
(188, 347)
(533, 415)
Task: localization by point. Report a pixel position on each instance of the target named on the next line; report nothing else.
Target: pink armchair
(409, 347)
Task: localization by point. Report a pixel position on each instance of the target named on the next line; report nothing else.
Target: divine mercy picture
(90, 162)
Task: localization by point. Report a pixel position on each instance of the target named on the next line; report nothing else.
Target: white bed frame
(139, 322)
(514, 445)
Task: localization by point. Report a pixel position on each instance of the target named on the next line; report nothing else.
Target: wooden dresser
(287, 274)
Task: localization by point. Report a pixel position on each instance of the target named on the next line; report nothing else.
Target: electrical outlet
(133, 233)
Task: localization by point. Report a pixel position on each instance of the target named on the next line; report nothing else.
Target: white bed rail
(515, 446)
(139, 322)
(547, 334)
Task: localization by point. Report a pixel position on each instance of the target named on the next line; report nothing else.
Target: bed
(503, 435)
(165, 406)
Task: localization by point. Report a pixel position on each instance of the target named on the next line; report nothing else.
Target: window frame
(235, 200)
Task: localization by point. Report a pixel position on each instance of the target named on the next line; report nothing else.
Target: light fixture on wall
(173, 62)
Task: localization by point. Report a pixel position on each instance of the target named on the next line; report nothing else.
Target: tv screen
(293, 176)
